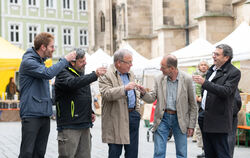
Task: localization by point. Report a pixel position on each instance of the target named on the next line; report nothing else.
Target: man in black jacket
(232, 135)
(74, 111)
(217, 102)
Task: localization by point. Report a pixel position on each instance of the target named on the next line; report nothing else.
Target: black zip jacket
(73, 97)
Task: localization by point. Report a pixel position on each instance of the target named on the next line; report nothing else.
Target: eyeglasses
(216, 54)
(163, 66)
(127, 62)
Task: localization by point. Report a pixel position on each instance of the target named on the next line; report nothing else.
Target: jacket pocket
(39, 106)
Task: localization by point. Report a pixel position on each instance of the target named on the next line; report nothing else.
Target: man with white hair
(120, 107)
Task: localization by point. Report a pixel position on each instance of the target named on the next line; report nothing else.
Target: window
(102, 23)
(66, 4)
(14, 33)
(82, 5)
(83, 37)
(32, 2)
(67, 36)
(32, 32)
(51, 30)
(50, 3)
(14, 1)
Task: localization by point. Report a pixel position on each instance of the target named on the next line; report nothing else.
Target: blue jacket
(34, 79)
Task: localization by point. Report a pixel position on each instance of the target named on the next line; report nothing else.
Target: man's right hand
(141, 89)
(71, 56)
(130, 86)
(100, 71)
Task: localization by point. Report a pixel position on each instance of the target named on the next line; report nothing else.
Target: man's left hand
(93, 117)
(190, 132)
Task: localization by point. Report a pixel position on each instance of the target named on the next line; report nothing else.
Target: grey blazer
(185, 101)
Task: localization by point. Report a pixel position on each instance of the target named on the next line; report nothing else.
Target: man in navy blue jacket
(35, 101)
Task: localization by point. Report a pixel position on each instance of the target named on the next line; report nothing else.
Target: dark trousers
(215, 144)
(131, 150)
(35, 133)
(232, 137)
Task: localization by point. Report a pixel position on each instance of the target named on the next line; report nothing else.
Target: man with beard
(35, 101)
(74, 111)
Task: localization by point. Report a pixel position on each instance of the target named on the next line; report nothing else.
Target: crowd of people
(207, 97)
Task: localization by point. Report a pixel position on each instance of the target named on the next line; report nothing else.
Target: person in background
(219, 89)
(35, 100)
(120, 107)
(232, 135)
(75, 116)
(201, 70)
(11, 89)
(176, 107)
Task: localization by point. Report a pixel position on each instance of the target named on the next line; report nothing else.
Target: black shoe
(201, 155)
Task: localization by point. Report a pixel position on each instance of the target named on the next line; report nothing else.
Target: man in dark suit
(217, 102)
(232, 135)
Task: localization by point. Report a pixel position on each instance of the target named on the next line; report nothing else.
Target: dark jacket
(34, 79)
(220, 98)
(237, 103)
(73, 97)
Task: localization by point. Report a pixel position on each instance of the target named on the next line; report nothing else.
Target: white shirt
(203, 102)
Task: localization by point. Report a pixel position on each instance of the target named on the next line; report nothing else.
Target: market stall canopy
(190, 55)
(239, 41)
(139, 62)
(96, 60)
(10, 55)
(10, 59)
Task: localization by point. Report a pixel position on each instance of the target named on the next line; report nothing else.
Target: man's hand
(198, 99)
(190, 132)
(130, 86)
(93, 117)
(198, 79)
(71, 56)
(100, 71)
(141, 89)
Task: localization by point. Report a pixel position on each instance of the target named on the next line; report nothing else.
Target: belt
(130, 110)
(170, 111)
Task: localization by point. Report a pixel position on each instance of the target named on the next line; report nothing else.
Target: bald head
(171, 60)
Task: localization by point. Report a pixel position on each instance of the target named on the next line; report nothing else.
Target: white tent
(190, 55)
(139, 62)
(239, 41)
(154, 63)
(96, 60)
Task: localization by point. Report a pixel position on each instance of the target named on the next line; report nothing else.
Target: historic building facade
(67, 20)
(158, 27)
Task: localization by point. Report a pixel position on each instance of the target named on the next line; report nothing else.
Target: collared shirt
(203, 102)
(131, 93)
(172, 93)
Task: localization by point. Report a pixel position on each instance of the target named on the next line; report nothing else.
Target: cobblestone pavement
(10, 138)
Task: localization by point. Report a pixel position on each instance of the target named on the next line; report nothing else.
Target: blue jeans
(131, 150)
(169, 121)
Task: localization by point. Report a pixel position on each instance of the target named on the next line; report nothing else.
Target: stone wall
(174, 12)
(241, 11)
(215, 29)
(139, 17)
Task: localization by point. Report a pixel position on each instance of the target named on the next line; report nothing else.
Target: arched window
(102, 19)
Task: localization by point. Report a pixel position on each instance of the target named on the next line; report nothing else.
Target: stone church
(157, 27)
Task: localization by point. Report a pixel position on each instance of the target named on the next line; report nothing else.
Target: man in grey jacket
(176, 107)
(35, 101)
